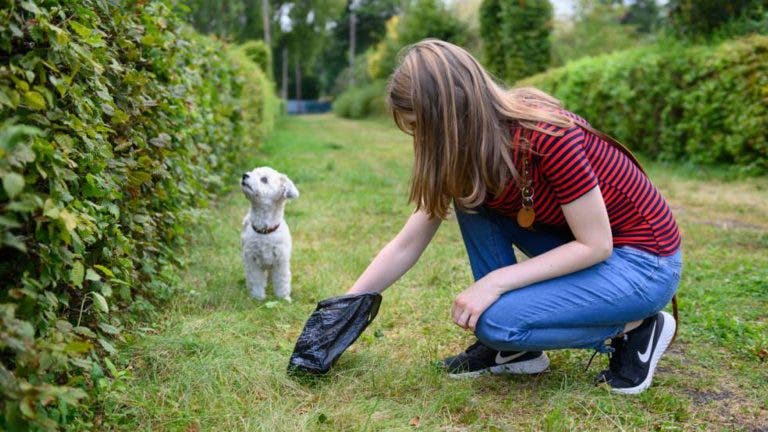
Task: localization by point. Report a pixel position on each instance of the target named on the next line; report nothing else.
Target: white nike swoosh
(503, 359)
(647, 354)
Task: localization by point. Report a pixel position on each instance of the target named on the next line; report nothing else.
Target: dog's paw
(287, 299)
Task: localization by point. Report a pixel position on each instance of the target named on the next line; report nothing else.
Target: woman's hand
(473, 301)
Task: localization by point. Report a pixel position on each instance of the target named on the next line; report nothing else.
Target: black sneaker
(636, 353)
(478, 359)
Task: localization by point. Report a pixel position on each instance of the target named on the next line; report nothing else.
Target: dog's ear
(289, 189)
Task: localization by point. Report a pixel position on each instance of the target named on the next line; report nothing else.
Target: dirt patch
(702, 397)
(727, 406)
(729, 224)
(723, 204)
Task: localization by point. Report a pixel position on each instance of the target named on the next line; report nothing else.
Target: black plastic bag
(332, 328)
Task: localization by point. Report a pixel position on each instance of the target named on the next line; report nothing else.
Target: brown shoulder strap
(621, 147)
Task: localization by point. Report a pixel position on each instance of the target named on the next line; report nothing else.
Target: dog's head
(265, 185)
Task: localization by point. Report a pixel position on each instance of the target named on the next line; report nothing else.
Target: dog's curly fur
(265, 238)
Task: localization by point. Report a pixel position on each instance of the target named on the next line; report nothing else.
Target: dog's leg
(256, 281)
(281, 279)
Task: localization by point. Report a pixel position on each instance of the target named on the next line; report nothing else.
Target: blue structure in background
(296, 106)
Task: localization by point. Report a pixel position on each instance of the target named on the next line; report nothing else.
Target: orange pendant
(525, 217)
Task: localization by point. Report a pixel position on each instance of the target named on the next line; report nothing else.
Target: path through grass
(215, 359)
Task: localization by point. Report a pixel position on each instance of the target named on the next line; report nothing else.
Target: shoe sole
(527, 367)
(665, 337)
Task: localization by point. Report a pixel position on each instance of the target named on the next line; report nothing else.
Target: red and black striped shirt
(565, 167)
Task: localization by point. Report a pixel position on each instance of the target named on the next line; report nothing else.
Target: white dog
(266, 240)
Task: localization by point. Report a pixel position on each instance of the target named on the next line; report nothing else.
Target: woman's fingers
(462, 314)
(473, 321)
(462, 317)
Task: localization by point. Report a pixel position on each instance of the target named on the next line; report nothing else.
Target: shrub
(363, 101)
(117, 121)
(704, 103)
(259, 109)
(516, 37)
(259, 53)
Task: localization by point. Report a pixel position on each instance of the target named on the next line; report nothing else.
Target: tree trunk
(298, 79)
(352, 43)
(266, 20)
(284, 89)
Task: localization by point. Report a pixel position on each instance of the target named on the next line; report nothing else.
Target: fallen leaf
(763, 354)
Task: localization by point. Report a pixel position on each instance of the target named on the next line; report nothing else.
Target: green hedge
(260, 53)
(260, 103)
(362, 101)
(116, 122)
(706, 104)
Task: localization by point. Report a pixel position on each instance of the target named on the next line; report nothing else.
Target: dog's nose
(245, 176)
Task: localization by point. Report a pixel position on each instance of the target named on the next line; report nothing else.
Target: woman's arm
(398, 256)
(588, 219)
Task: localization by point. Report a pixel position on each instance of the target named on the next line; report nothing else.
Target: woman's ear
(289, 189)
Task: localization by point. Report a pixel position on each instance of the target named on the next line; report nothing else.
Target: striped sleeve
(564, 163)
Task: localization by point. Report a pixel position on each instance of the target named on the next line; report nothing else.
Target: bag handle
(621, 147)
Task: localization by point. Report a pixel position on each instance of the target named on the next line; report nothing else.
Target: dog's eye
(264, 180)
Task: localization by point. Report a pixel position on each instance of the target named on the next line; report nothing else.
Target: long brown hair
(461, 133)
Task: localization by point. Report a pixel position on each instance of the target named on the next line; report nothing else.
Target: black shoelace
(618, 357)
(615, 360)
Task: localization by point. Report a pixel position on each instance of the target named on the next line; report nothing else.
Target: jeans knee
(503, 338)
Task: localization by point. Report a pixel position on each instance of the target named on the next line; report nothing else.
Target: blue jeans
(578, 310)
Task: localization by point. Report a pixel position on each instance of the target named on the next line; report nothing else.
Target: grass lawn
(215, 359)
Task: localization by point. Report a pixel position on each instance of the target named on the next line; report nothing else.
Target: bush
(515, 37)
(705, 104)
(259, 53)
(117, 122)
(360, 102)
(260, 107)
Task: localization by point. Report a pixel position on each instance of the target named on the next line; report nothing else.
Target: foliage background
(118, 121)
(517, 37)
(706, 104)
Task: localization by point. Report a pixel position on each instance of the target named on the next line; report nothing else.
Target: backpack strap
(621, 147)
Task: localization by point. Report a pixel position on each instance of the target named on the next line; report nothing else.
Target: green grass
(216, 360)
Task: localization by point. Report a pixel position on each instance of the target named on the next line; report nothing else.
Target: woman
(519, 170)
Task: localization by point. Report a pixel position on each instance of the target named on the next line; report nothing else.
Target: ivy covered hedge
(116, 122)
(707, 104)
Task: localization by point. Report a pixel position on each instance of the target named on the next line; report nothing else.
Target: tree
(237, 20)
(297, 31)
(421, 19)
(702, 18)
(516, 37)
(303, 32)
(644, 15)
(596, 29)
(371, 17)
